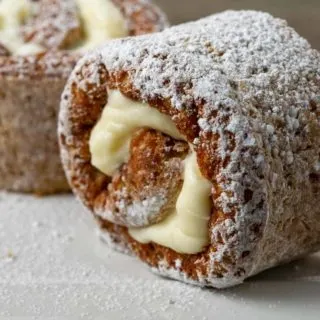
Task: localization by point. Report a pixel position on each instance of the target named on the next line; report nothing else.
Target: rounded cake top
(244, 72)
(247, 77)
(225, 58)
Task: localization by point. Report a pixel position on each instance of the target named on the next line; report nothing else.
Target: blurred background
(303, 15)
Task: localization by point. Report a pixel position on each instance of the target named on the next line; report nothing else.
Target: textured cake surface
(244, 89)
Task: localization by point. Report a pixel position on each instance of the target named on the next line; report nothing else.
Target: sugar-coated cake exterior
(244, 89)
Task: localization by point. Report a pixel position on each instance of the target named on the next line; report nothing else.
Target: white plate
(52, 265)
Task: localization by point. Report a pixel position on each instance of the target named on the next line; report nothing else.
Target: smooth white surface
(52, 266)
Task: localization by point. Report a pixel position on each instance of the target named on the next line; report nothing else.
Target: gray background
(304, 15)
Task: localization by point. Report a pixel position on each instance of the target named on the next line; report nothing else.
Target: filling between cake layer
(110, 138)
(101, 21)
(185, 229)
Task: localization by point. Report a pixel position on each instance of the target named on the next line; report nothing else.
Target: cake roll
(40, 42)
(197, 149)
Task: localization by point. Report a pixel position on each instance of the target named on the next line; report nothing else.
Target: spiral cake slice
(32, 79)
(197, 148)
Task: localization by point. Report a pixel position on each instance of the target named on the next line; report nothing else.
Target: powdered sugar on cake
(52, 23)
(136, 212)
(255, 86)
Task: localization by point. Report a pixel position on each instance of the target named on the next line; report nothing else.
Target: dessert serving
(197, 148)
(40, 42)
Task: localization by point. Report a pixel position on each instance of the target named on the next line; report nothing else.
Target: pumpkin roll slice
(40, 42)
(197, 149)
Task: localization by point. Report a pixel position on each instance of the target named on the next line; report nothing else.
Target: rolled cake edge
(268, 239)
(76, 161)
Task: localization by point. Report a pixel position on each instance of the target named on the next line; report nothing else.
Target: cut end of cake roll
(37, 38)
(197, 148)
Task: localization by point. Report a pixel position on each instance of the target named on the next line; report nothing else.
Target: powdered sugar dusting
(52, 23)
(46, 256)
(137, 212)
(249, 70)
(254, 85)
(74, 276)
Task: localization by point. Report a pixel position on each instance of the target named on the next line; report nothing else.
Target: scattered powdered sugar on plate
(53, 265)
(49, 251)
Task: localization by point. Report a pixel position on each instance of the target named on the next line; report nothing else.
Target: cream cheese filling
(185, 230)
(101, 21)
(110, 138)
(12, 15)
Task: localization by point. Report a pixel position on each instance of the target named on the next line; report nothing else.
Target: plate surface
(53, 266)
